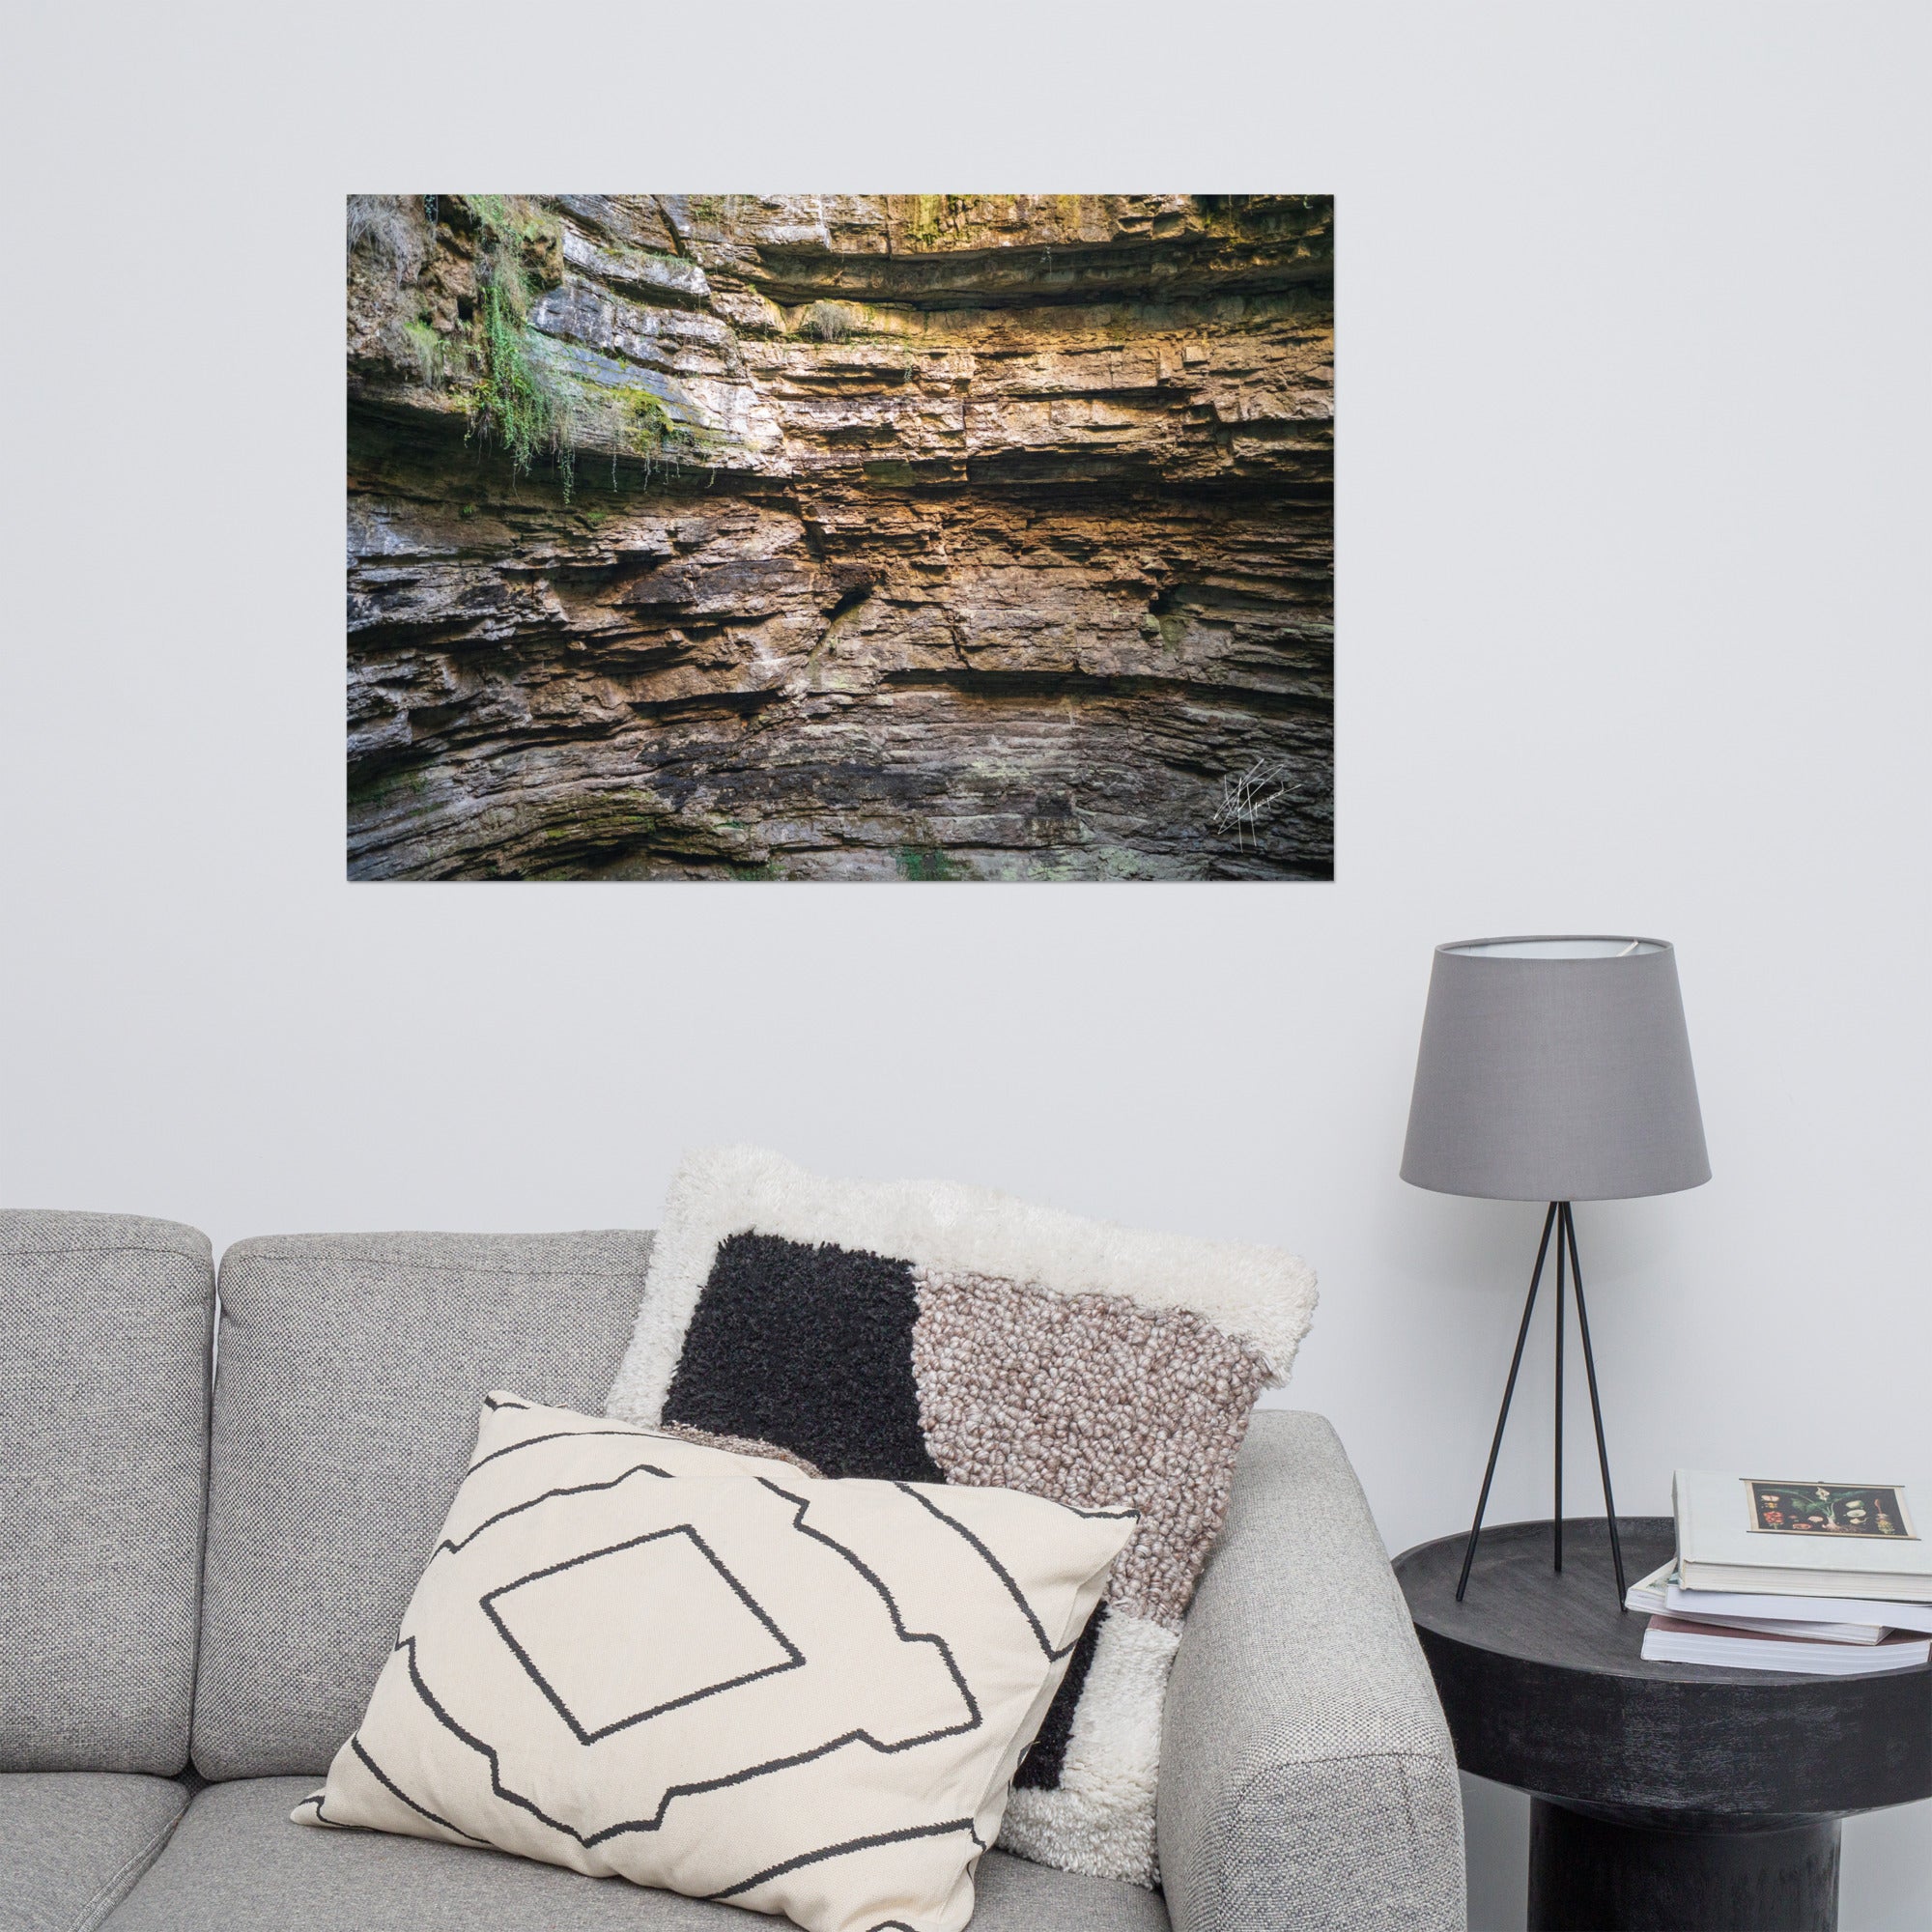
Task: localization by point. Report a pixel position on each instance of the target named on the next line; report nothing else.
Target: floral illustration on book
(1829, 1509)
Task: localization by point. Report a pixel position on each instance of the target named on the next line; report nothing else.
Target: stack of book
(1827, 1579)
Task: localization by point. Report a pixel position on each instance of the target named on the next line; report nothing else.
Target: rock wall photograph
(898, 537)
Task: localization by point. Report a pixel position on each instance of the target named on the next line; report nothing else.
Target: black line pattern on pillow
(377, 1772)
(1000, 1571)
(852, 1557)
(794, 1657)
(699, 1788)
(901, 1836)
(463, 1543)
(532, 1441)
(406, 1648)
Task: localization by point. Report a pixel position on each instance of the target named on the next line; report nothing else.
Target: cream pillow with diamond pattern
(642, 1656)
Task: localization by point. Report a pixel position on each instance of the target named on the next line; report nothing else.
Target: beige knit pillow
(636, 1655)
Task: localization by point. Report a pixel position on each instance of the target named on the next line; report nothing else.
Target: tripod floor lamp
(1554, 1070)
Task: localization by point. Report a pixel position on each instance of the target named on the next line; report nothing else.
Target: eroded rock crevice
(897, 537)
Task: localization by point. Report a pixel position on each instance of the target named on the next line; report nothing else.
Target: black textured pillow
(926, 1333)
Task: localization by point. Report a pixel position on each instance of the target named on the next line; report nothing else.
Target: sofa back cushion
(351, 1371)
(103, 1414)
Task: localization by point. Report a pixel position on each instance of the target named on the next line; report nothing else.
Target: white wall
(1632, 513)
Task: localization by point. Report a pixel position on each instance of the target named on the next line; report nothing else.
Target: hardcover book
(1845, 1619)
(1804, 1537)
(1673, 1640)
(1777, 1616)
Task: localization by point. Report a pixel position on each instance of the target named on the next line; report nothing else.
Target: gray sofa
(200, 1575)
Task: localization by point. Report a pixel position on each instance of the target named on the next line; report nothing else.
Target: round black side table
(1669, 1796)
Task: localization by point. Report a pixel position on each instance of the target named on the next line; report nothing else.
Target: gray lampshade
(1555, 1070)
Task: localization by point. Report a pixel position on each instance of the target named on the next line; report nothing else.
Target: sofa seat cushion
(237, 1864)
(72, 1842)
(103, 1410)
(351, 1369)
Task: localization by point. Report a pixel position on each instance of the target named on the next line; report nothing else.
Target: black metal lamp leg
(1509, 1389)
(1596, 1407)
(1556, 1489)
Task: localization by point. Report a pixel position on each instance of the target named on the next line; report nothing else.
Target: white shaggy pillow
(928, 1332)
(639, 1656)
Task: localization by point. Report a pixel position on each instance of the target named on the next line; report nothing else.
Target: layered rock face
(840, 537)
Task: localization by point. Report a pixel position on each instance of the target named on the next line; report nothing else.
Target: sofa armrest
(1307, 1779)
